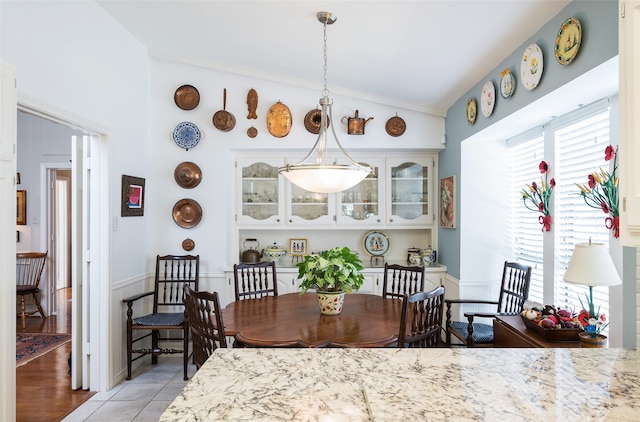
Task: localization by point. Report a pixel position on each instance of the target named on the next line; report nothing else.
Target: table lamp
(591, 265)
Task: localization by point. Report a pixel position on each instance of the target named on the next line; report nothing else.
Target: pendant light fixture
(315, 173)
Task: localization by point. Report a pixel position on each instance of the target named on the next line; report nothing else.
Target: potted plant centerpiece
(332, 273)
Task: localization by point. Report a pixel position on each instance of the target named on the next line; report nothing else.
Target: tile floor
(150, 391)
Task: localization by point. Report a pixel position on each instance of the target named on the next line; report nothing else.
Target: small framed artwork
(132, 196)
(298, 247)
(21, 202)
(447, 202)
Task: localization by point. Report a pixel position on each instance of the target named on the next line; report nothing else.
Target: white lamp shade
(325, 178)
(591, 265)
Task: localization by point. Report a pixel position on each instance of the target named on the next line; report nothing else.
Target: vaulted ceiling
(420, 55)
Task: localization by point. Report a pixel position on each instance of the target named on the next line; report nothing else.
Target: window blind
(579, 146)
(527, 236)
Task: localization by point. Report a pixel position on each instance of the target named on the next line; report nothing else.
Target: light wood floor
(43, 386)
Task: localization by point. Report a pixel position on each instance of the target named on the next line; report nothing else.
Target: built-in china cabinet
(398, 199)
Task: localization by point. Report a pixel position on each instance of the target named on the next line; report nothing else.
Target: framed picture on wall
(298, 247)
(447, 202)
(132, 196)
(21, 202)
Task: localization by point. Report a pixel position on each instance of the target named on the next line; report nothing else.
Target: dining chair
(29, 267)
(421, 319)
(514, 291)
(256, 280)
(400, 280)
(205, 324)
(173, 273)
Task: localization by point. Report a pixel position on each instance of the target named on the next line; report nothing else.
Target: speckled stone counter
(417, 384)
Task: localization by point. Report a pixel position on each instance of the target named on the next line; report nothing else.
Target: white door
(8, 119)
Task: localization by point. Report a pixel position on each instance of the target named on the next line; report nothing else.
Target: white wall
(215, 152)
(73, 60)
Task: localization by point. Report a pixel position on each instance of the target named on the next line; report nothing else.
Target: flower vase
(330, 302)
(586, 340)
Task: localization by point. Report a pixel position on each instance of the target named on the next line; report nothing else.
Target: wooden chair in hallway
(421, 319)
(29, 267)
(173, 273)
(400, 280)
(514, 291)
(254, 281)
(205, 324)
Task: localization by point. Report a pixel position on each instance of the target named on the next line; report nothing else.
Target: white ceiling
(420, 55)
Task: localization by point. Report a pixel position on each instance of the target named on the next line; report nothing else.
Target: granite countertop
(413, 384)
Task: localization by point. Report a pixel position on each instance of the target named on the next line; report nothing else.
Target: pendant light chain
(325, 91)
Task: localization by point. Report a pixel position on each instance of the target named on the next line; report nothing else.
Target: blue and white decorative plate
(376, 243)
(186, 135)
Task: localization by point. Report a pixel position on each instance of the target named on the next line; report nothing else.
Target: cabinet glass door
(305, 206)
(409, 193)
(361, 203)
(259, 193)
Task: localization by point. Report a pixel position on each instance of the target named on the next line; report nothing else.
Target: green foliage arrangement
(334, 270)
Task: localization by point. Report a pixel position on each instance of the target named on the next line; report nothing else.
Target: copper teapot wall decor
(355, 124)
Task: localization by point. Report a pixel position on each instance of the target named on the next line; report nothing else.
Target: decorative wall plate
(186, 135)
(187, 97)
(488, 99)
(187, 175)
(472, 111)
(188, 244)
(507, 83)
(531, 67)
(376, 243)
(568, 41)
(187, 213)
(395, 126)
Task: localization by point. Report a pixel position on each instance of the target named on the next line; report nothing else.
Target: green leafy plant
(334, 270)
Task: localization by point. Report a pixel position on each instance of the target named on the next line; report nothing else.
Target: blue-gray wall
(599, 20)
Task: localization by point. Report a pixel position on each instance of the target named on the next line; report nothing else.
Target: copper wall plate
(187, 213)
(187, 97)
(312, 121)
(252, 132)
(187, 175)
(395, 126)
(279, 120)
(188, 244)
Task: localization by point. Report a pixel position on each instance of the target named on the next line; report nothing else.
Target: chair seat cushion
(166, 319)
(482, 333)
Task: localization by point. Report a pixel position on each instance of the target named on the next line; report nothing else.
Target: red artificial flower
(543, 167)
(534, 186)
(552, 182)
(583, 317)
(605, 208)
(609, 153)
(592, 181)
(541, 207)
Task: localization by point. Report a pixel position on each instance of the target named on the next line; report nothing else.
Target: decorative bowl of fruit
(552, 324)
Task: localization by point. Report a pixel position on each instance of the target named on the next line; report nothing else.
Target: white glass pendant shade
(315, 173)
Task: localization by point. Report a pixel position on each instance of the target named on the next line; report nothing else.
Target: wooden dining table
(294, 320)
